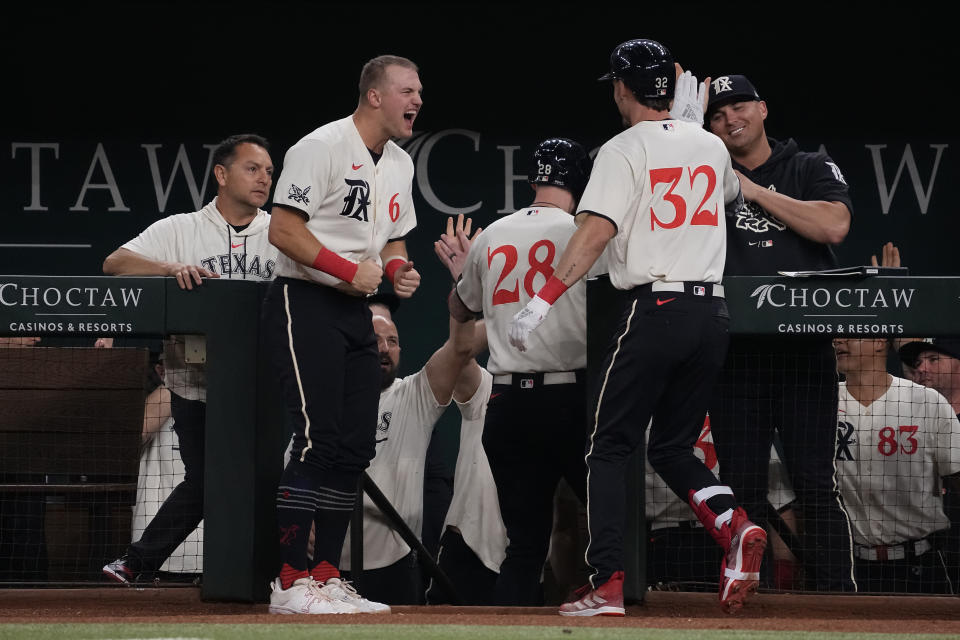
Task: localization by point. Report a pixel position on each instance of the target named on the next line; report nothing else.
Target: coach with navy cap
(796, 206)
(728, 89)
(936, 364)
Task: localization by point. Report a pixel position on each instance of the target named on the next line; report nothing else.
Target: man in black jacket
(796, 206)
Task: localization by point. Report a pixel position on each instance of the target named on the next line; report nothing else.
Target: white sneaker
(304, 596)
(337, 589)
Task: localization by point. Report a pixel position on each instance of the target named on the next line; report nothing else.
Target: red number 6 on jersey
(672, 175)
(394, 208)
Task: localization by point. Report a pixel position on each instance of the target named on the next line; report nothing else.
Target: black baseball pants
(326, 356)
(182, 511)
(662, 363)
(771, 383)
(533, 436)
(326, 353)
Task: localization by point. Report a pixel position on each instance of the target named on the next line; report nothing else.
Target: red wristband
(329, 262)
(392, 265)
(552, 290)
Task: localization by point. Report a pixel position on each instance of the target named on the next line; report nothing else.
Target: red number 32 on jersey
(672, 176)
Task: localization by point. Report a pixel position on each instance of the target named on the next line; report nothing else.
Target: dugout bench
(70, 422)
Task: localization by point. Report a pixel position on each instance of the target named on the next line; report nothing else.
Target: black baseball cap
(726, 89)
(912, 350)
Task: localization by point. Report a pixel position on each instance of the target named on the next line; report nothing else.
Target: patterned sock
(324, 571)
(296, 504)
(335, 502)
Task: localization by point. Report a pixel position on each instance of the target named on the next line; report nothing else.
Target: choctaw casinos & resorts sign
(877, 306)
(62, 305)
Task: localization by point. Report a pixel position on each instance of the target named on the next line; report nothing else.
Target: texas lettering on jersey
(242, 264)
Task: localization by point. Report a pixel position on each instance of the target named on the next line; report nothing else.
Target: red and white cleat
(741, 566)
(606, 600)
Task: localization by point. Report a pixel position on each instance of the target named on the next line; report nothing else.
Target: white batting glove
(688, 99)
(526, 321)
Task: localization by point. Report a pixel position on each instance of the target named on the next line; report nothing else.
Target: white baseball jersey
(353, 206)
(890, 458)
(475, 507)
(507, 264)
(664, 185)
(161, 470)
(408, 412)
(203, 238)
(663, 507)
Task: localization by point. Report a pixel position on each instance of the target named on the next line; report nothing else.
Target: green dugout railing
(245, 431)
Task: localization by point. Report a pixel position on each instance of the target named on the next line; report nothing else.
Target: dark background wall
(107, 85)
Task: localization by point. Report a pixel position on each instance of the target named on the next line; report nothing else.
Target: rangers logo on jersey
(298, 195)
(357, 200)
(845, 438)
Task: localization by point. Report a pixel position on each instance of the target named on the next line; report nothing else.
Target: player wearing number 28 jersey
(656, 202)
(535, 427)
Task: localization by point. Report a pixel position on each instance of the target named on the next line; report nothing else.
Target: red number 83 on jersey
(673, 176)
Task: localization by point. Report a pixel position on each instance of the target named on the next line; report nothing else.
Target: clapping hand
(454, 245)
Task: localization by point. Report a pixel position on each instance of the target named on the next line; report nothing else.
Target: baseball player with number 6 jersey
(342, 207)
(655, 201)
(534, 431)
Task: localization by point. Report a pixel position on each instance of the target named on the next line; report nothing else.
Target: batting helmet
(563, 163)
(645, 66)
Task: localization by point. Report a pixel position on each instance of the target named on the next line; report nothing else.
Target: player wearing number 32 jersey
(656, 202)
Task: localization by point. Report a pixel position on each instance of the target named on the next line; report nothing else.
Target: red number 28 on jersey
(545, 267)
(672, 176)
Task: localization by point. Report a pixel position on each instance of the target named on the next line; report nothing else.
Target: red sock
(289, 575)
(784, 574)
(324, 571)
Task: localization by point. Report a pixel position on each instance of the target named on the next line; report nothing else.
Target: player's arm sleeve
(948, 437)
(473, 408)
(407, 219)
(305, 178)
(427, 408)
(157, 242)
(470, 286)
(610, 188)
(826, 182)
(732, 194)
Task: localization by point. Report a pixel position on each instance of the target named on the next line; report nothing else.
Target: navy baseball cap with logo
(912, 350)
(726, 89)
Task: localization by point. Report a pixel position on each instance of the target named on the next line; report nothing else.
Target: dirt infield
(905, 614)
